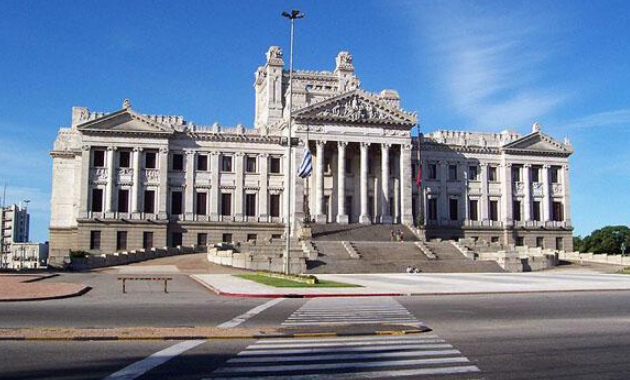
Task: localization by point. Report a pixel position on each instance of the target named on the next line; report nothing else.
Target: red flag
(419, 175)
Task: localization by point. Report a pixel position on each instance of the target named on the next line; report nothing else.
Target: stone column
(137, 186)
(443, 211)
(163, 193)
(189, 198)
(364, 217)
(86, 180)
(216, 185)
(342, 216)
(263, 194)
(484, 192)
(547, 196)
(566, 200)
(386, 215)
(527, 192)
(506, 197)
(111, 179)
(298, 191)
(239, 158)
(320, 214)
(406, 214)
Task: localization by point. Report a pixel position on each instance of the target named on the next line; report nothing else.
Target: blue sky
(463, 65)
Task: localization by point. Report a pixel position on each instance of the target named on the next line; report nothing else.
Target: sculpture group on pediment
(355, 109)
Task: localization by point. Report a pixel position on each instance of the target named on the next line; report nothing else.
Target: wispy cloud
(614, 118)
(491, 63)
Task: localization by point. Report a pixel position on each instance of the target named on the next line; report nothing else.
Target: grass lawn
(625, 271)
(284, 283)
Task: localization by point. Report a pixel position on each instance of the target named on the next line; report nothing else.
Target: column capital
(365, 144)
(527, 166)
(239, 154)
(320, 142)
(263, 155)
(405, 146)
(546, 166)
(565, 167)
(342, 144)
(163, 150)
(507, 165)
(137, 149)
(483, 164)
(386, 146)
(190, 152)
(110, 148)
(86, 147)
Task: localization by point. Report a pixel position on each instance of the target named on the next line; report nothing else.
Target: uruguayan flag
(306, 167)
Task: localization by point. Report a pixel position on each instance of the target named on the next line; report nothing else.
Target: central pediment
(125, 121)
(538, 142)
(356, 107)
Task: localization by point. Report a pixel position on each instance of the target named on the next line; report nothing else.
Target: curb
(69, 295)
(290, 295)
(214, 337)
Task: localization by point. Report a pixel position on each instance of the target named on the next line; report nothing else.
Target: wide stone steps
(359, 232)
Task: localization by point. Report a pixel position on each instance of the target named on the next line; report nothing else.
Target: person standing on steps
(402, 236)
(391, 234)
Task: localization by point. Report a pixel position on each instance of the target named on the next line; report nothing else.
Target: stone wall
(603, 258)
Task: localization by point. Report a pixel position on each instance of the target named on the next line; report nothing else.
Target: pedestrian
(402, 236)
(391, 234)
(398, 235)
(409, 269)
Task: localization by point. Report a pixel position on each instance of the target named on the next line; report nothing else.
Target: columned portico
(364, 217)
(386, 216)
(527, 191)
(135, 187)
(342, 216)
(320, 214)
(111, 180)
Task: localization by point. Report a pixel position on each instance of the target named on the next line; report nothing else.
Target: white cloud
(491, 63)
(615, 118)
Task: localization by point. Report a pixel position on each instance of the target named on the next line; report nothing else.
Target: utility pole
(295, 14)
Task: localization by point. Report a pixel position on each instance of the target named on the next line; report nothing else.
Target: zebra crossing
(340, 358)
(369, 310)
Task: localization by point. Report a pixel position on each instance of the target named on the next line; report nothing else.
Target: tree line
(610, 239)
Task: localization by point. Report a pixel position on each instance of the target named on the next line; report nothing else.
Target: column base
(387, 219)
(189, 216)
(320, 219)
(342, 219)
(365, 219)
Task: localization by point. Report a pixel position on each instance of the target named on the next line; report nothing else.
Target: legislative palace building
(125, 180)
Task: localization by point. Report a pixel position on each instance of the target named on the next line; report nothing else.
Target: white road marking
(339, 344)
(244, 317)
(337, 366)
(345, 349)
(349, 338)
(365, 375)
(353, 356)
(137, 369)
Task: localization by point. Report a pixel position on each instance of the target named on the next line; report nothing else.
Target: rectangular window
(432, 209)
(519, 241)
(149, 201)
(348, 166)
(473, 173)
(150, 160)
(202, 239)
(554, 174)
(452, 172)
(432, 171)
(274, 165)
(98, 158)
(540, 242)
(516, 209)
(176, 239)
(178, 162)
(492, 174)
(560, 244)
(252, 237)
(121, 240)
(95, 240)
(516, 174)
(494, 239)
(226, 238)
(202, 204)
(536, 211)
(226, 204)
(274, 205)
(123, 200)
(494, 210)
(124, 159)
(250, 164)
(226, 164)
(147, 240)
(176, 203)
(250, 204)
(473, 209)
(558, 212)
(453, 209)
(97, 200)
(536, 173)
(202, 162)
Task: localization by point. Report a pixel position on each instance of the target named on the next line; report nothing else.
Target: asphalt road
(524, 336)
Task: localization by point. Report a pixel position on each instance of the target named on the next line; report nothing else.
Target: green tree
(604, 240)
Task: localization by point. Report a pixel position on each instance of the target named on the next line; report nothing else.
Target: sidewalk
(18, 287)
(423, 284)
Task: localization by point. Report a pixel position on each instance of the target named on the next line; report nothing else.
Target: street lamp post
(295, 14)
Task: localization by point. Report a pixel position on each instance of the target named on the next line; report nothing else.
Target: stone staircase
(451, 260)
(333, 257)
(359, 232)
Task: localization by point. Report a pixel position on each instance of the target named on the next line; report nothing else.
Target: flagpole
(295, 14)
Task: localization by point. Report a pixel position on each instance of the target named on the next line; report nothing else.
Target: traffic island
(17, 287)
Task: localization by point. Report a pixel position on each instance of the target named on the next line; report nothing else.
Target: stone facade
(126, 180)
